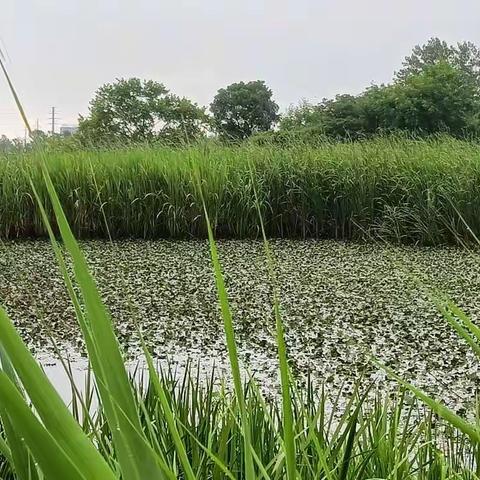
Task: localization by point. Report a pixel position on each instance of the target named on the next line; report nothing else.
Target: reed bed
(400, 190)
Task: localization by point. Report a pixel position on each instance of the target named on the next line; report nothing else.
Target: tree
(6, 145)
(38, 135)
(242, 109)
(464, 56)
(343, 116)
(183, 121)
(440, 99)
(137, 110)
(303, 115)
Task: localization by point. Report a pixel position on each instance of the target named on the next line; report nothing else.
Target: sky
(61, 51)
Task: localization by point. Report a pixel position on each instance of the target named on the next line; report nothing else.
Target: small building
(68, 130)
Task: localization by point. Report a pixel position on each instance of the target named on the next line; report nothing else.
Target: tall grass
(397, 189)
(390, 438)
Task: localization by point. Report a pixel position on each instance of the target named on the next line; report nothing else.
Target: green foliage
(439, 99)
(438, 91)
(6, 145)
(308, 137)
(140, 111)
(184, 428)
(395, 189)
(464, 56)
(242, 109)
(303, 115)
(362, 440)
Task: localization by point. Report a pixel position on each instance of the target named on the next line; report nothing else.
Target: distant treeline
(437, 90)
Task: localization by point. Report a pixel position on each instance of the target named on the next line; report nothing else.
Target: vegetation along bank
(405, 191)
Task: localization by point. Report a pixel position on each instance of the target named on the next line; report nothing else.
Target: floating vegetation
(165, 428)
(340, 302)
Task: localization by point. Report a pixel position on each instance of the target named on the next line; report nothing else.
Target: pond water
(340, 303)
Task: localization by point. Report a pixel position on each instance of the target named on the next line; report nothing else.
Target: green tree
(303, 115)
(6, 145)
(242, 109)
(137, 110)
(343, 116)
(464, 56)
(440, 99)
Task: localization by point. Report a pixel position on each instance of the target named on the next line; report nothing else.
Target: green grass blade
(348, 453)
(214, 458)
(229, 336)
(18, 103)
(458, 312)
(53, 412)
(167, 411)
(448, 415)
(462, 332)
(19, 455)
(285, 377)
(137, 461)
(52, 459)
(86, 331)
(7, 452)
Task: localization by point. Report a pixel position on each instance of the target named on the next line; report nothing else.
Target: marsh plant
(185, 428)
(398, 189)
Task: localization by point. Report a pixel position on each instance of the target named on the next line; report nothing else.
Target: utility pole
(52, 119)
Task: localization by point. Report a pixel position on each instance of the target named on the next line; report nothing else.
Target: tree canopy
(242, 109)
(464, 56)
(438, 90)
(139, 111)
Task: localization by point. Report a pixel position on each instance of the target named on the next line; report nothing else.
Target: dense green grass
(393, 438)
(397, 189)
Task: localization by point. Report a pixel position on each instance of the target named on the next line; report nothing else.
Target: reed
(400, 190)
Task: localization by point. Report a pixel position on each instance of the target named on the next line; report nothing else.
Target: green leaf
(54, 462)
(285, 377)
(50, 406)
(137, 460)
(167, 411)
(229, 336)
(451, 417)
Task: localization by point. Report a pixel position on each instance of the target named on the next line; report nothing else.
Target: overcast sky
(60, 51)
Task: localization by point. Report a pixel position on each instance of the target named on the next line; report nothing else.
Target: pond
(340, 303)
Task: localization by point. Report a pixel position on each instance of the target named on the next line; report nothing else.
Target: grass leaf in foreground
(135, 455)
(287, 421)
(229, 336)
(167, 412)
(53, 460)
(17, 453)
(441, 410)
(54, 413)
